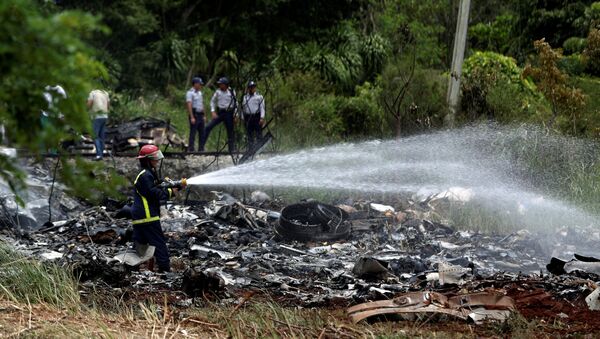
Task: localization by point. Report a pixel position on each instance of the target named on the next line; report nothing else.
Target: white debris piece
(458, 194)
(382, 208)
(51, 255)
(9, 152)
(135, 256)
(204, 249)
(451, 274)
(259, 197)
(593, 300)
(451, 246)
(482, 315)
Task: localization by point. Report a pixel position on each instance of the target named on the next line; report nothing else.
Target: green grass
(591, 112)
(26, 280)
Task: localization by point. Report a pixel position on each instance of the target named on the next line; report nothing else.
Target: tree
(153, 39)
(553, 20)
(565, 101)
(38, 50)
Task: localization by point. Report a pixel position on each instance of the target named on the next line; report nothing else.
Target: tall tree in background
(156, 43)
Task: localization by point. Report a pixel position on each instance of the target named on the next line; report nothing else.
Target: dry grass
(253, 319)
(260, 320)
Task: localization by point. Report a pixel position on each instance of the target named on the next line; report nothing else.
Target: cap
(223, 80)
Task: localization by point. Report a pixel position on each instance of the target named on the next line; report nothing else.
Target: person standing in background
(98, 103)
(194, 102)
(223, 105)
(253, 109)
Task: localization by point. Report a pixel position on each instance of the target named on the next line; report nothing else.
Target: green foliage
(428, 24)
(509, 103)
(492, 36)
(162, 43)
(413, 98)
(574, 45)
(572, 64)
(344, 58)
(361, 114)
(591, 55)
(556, 21)
(36, 51)
(492, 87)
(490, 68)
(590, 114)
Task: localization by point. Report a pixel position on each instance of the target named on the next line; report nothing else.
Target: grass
(253, 319)
(25, 280)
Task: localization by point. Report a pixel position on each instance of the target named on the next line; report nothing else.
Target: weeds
(25, 280)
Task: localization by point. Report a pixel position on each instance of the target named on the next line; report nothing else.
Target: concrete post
(460, 40)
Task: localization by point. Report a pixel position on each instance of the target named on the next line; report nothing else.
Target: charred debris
(377, 259)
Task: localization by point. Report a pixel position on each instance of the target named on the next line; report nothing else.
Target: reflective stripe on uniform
(148, 218)
(142, 221)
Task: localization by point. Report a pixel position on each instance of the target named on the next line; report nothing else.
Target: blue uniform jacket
(147, 197)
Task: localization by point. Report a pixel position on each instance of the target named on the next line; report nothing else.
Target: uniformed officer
(222, 106)
(253, 109)
(195, 108)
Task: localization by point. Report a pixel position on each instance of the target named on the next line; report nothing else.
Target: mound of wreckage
(130, 135)
(380, 261)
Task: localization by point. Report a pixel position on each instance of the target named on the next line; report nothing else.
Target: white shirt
(223, 100)
(99, 99)
(253, 104)
(196, 98)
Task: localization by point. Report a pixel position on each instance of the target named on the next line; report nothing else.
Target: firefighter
(146, 206)
(222, 106)
(253, 109)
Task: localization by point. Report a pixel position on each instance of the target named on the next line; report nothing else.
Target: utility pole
(460, 40)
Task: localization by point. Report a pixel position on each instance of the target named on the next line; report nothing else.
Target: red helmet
(151, 152)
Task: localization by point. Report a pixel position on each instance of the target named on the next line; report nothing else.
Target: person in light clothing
(223, 106)
(98, 103)
(194, 102)
(253, 109)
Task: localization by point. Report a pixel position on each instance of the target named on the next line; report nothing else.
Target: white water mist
(476, 158)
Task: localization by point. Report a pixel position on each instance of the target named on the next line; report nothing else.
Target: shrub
(591, 55)
(412, 104)
(574, 45)
(488, 78)
(361, 114)
(572, 64)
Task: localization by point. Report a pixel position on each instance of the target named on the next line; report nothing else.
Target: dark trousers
(151, 233)
(227, 118)
(99, 126)
(253, 130)
(198, 127)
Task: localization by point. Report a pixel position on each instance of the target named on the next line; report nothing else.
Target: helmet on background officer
(223, 83)
(251, 86)
(197, 83)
